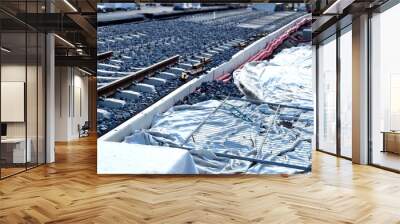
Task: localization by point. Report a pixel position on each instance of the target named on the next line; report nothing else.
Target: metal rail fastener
(138, 76)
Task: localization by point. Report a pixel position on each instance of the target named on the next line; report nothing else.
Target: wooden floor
(386, 159)
(69, 191)
(5, 172)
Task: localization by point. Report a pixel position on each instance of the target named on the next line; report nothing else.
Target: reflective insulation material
(286, 78)
(235, 136)
(268, 131)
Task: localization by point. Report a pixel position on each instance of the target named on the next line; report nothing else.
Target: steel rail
(259, 151)
(138, 76)
(104, 55)
(266, 162)
(258, 102)
(255, 160)
(203, 121)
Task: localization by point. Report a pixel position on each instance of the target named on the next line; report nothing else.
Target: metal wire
(203, 122)
(260, 151)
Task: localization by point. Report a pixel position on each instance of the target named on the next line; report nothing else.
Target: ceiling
(74, 22)
(328, 13)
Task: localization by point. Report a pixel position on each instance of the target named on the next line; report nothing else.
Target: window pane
(31, 99)
(14, 153)
(41, 99)
(385, 84)
(346, 94)
(327, 96)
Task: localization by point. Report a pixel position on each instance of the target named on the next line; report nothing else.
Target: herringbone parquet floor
(69, 191)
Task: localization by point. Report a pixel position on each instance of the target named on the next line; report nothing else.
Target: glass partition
(14, 144)
(32, 98)
(22, 101)
(41, 97)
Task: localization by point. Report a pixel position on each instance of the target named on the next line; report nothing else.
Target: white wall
(33, 126)
(71, 102)
(14, 73)
(61, 103)
(10, 73)
(80, 112)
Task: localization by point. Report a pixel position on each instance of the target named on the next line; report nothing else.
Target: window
(346, 92)
(327, 96)
(385, 89)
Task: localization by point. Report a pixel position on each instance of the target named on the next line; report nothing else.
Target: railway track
(131, 79)
(136, 46)
(133, 92)
(147, 79)
(134, 74)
